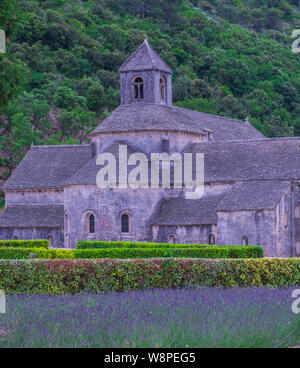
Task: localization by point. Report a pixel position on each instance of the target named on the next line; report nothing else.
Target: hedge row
(24, 244)
(123, 244)
(200, 252)
(74, 276)
(24, 253)
(130, 253)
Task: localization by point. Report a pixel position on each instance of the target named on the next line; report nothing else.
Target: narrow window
(212, 239)
(165, 145)
(125, 223)
(91, 224)
(66, 223)
(136, 91)
(162, 89)
(50, 240)
(138, 86)
(245, 240)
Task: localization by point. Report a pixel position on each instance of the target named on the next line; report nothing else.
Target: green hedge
(74, 276)
(204, 252)
(24, 253)
(124, 253)
(24, 244)
(122, 244)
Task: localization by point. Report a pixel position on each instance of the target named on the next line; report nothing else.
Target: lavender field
(238, 317)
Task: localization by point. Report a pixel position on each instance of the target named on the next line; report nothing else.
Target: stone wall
(149, 142)
(196, 234)
(31, 234)
(151, 86)
(41, 197)
(257, 226)
(271, 229)
(108, 206)
(285, 221)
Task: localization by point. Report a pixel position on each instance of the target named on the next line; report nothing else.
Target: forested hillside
(59, 78)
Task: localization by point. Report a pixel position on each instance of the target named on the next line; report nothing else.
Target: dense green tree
(230, 58)
(11, 76)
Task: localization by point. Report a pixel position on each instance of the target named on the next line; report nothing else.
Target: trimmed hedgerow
(74, 276)
(24, 253)
(129, 253)
(24, 244)
(175, 252)
(123, 244)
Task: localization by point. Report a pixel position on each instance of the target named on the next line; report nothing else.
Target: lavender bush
(207, 317)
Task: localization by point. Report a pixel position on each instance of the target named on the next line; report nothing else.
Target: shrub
(128, 253)
(24, 244)
(74, 276)
(176, 252)
(123, 244)
(24, 253)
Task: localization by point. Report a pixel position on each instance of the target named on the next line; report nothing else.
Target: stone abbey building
(251, 182)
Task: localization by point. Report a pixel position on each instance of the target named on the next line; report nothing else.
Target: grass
(208, 317)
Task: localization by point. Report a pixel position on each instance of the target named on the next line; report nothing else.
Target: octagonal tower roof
(145, 58)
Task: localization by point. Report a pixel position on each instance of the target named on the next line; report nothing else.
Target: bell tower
(146, 78)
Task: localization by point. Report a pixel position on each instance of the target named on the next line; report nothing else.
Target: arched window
(15, 237)
(245, 240)
(212, 239)
(125, 223)
(90, 223)
(162, 83)
(138, 86)
(50, 240)
(172, 239)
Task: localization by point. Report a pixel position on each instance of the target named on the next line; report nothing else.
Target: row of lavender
(205, 317)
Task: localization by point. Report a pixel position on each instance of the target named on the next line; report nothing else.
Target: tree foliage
(231, 58)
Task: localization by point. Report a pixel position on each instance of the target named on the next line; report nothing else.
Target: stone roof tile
(87, 174)
(145, 58)
(149, 117)
(258, 159)
(50, 216)
(46, 167)
(181, 211)
(253, 195)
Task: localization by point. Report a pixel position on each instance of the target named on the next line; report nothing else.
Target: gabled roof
(253, 195)
(50, 216)
(224, 129)
(181, 211)
(258, 159)
(46, 167)
(87, 174)
(149, 117)
(145, 58)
